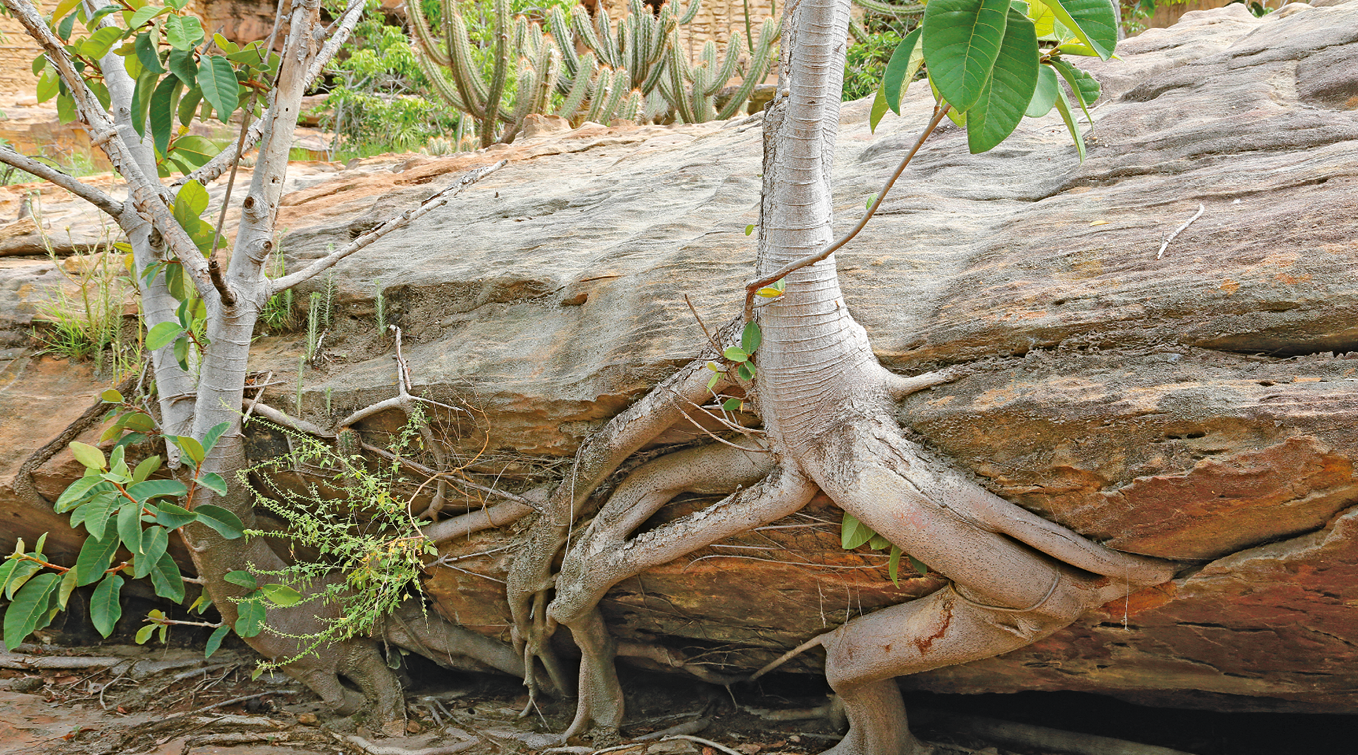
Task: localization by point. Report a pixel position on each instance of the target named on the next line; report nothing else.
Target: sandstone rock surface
(1199, 406)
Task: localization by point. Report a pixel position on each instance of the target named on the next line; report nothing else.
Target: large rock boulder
(1198, 405)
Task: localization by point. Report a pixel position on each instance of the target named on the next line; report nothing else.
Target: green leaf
(141, 100)
(1063, 106)
(919, 566)
(162, 112)
(715, 377)
(746, 370)
(147, 55)
(144, 634)
(88, 455)
(1092, 21)
(188, 105)
(961, 42)
(853, 533)
(1006, 96)
(213, 482)
(226, 524)
(28, 608)
(217, 79)
(1084, 86)
(191, 200)
(893, 566)
(153, 544)
(192, 448)
(774, 291)
(37, 548)
(145, 491)
(99, 43)
(213, 433)
(249, 618)
(877, 542)
(730, 404)
(129, 526)
(879, 109)
(65, 27)
(735, 354)
(1044, 21)
(1044, 96)
(161, 334)
(182, 65)
(23, 571)
(66, 109)
(167, 580)
(6, 569)
(63, 8)
(146, 468)
(242, 578)
(105, 608)
(749, 229)
(751, 337)
(215, 641)
(281, 595)
(183, 32)
(139, 422)
(74, 494)
(68, 585)
(171, 516)
(904, 64)
(111, 396)
(97, 513)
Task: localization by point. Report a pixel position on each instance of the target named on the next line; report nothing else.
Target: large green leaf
(1006, 96)
(88, 455)
(1082, 85)
(145, 491)
(167, 580)
(853, 533)
(153, 545)
(217, 79)
(192, 199)
(162, 112)
(98, 44)
(904, 64)
(226, 524)
(95, 556)
(1093, 22)
(129, 526)
(97, 511)
(147, 55)
(28, 608)
(161, 334)
(172, 516)
(250, 617)
(215, 641)
(75, 493)
(1044, 96)
(105, 608)
(181, 64)
(961, 41)
(23, 571)
(281, 594)
(183, 32)
(141, 100)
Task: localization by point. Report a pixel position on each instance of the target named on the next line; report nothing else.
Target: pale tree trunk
(828, 411)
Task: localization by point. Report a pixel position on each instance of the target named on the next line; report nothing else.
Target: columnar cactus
(692, 89)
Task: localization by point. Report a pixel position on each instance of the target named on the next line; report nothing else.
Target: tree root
(1038, 737)
(373, 749)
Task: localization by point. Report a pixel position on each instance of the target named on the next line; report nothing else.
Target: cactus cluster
(633, 70)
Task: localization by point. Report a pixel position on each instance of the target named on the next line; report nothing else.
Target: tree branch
(86, 192)
(405, 218)
(774, 277)
(223, 161)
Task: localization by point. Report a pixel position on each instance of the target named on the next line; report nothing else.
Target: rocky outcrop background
(1198, 405)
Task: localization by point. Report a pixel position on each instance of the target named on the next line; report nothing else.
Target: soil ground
(213, 707)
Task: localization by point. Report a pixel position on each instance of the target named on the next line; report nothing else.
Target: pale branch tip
(754, 286)
(99, 199)
(437, 200)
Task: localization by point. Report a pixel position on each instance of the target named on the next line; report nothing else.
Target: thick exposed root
(1006, 595)
(595, 566)
(531, 573)
(446, 643)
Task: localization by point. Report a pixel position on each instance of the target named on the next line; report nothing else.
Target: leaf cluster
(993, 62)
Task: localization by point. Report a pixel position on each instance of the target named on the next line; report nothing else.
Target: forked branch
(754, 286)
(405, 218)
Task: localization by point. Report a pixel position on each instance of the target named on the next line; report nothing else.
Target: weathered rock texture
(1200, 406)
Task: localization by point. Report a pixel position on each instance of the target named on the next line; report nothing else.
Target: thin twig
(702, 741)
(437, 200)
(767, 280)
(715, 347)
(1201, 209)
(789, 655)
